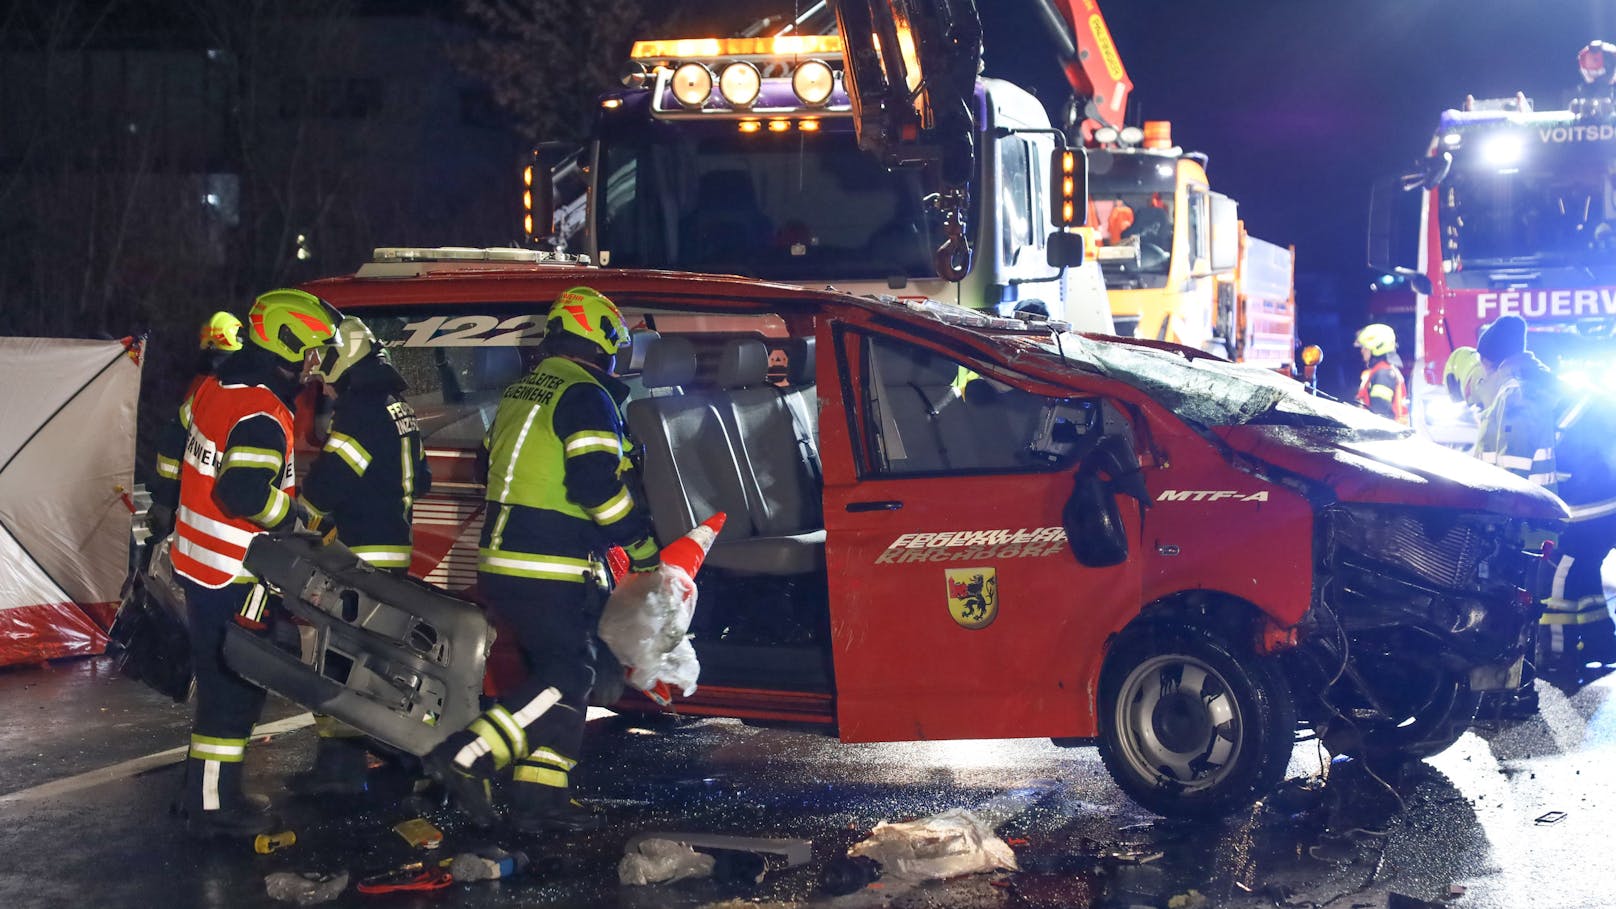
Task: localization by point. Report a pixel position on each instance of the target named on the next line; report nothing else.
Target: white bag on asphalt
(947, 844)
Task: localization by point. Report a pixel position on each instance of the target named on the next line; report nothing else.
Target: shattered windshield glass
(1216, 393)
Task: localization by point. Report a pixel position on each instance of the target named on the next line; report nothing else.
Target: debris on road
(849, 874)
(947, 844)
(413, 876)
(1552, 817)
(1193, 899)
(487, 864)
(305, 887)
(419, 832)
(659, 861)
(795, 851)
(265, 843)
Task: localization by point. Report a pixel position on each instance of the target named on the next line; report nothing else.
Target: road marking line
(139, 765)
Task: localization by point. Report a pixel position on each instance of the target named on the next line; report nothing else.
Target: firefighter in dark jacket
(362, 488)
(220, 337)
(1381, 388)
(557, 499)
(234, 483)
(1576, 626)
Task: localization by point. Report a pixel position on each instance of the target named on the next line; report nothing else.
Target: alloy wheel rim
(1178, 722)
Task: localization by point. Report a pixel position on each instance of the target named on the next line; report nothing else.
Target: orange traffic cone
(688, 551)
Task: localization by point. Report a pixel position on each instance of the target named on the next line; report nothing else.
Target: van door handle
(888, 505)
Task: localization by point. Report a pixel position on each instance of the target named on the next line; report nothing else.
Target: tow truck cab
(946, 525)
(739, 156)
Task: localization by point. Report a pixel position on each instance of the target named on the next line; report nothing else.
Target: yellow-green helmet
(1378, 339)
(354, 343)
(221, 331)
(1463, 375)
(288, 323)
(586, 313)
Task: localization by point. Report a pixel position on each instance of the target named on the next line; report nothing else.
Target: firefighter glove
(254, 612)
(643, 555)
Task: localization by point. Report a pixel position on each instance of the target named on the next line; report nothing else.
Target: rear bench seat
(698, 460)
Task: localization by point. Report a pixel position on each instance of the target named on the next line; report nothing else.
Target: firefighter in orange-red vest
(1381, 389)
(235, 482)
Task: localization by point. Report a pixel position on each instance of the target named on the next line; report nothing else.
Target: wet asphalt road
(1334, 837)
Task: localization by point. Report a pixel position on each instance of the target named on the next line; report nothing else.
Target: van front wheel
(1191, 726)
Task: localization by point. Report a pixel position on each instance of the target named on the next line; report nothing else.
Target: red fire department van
(946, 525)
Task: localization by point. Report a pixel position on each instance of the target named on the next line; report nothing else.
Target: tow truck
(1178, 262)
(1043, 550)
(1511, 212)
(754, 155)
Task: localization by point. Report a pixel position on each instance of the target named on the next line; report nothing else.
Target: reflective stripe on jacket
(210, 543)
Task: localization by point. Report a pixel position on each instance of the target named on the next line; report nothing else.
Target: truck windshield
(1132, 199)
(792, 206)
(1514, 198)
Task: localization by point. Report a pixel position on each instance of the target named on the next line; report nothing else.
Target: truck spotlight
(692, 85)
(1131, 135)
(813, 82)
(740, 84)
(1106, 135)
(1503, 150)
(1451, 140)
(634, 75)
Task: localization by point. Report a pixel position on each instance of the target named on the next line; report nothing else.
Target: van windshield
(1215, 392)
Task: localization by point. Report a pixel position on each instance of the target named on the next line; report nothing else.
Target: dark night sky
(1301, 104)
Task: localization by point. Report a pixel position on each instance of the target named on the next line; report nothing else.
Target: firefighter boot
(454, 765)
(541, 797)
(340, 765)
(214, 804)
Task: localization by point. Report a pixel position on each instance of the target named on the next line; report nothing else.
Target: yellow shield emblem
(973, 596)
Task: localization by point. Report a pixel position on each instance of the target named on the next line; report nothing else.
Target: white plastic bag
(947, 844)
(647, 618)
(657, 861)
(645, 624)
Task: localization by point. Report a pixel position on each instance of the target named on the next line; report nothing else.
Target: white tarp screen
(67, 438)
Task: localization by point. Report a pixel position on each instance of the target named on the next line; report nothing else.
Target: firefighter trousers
(554, 623)
(227, 705)
(1576, 622)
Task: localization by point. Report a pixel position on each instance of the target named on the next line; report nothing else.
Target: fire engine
(1516, 209)
(949, 525)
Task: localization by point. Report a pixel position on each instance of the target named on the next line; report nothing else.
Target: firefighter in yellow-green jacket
(557, 500)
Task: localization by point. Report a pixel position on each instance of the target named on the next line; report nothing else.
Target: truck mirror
(1065, 249)
(1428, 173)
(1394, 217)
(1068, 189)
(548, 164)
(1225, 252)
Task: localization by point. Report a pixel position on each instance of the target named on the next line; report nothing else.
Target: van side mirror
(1093, 522)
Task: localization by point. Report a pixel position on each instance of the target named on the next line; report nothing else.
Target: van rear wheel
(1191, 726)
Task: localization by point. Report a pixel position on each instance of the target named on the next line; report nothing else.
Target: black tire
(1443, 715)
(1200, 749)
